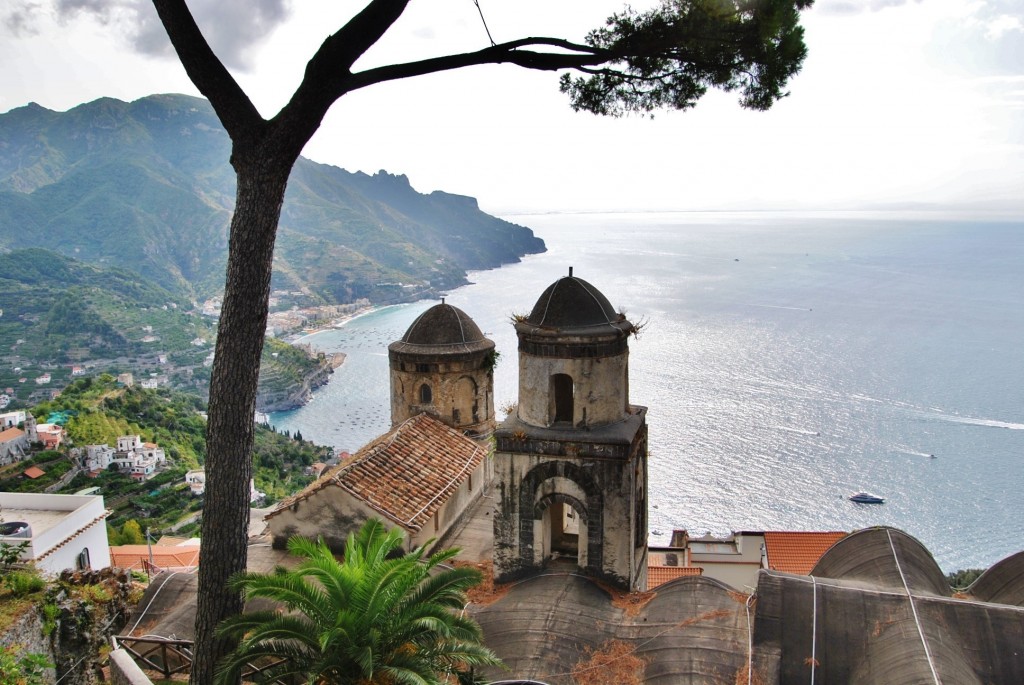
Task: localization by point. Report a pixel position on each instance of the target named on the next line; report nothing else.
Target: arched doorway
(560, 526)
(561, 393)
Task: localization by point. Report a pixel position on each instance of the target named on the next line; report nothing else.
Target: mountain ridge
(146, 185)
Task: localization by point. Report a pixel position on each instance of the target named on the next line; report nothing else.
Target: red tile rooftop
(405, 474)
(797, 551)
(659, 575)
(136, 556)
(11, 434)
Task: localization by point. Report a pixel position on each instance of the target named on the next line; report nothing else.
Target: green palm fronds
(375, 618)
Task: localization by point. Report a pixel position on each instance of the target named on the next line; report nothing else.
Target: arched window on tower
(426, 397)
(562, 400)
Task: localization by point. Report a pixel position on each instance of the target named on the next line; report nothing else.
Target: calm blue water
(786, 360)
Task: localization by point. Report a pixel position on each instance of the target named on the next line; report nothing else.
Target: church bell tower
(444, 366)
(571, 461)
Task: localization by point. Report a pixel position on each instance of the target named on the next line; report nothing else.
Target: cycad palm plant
(371, 619)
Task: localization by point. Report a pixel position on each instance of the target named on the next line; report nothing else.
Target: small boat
(866, 498)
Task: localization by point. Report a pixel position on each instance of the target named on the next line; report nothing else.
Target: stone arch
(426, 396)
(465, 406)
(547, 500)
(531, 508)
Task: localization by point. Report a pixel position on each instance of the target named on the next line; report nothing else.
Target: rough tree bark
(666, 57)
(229, 436)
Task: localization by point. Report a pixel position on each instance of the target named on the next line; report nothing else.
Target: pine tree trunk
(230, 428)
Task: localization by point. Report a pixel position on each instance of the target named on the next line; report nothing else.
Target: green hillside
(100, 410)
(57, 313)
(146, 186)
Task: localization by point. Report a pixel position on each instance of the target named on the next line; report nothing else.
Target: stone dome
(570, 303)
(443, 324)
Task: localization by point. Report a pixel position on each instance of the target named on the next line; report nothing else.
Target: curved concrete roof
(693, 630)
(883, 556)
(859, 626)
(1003, 583)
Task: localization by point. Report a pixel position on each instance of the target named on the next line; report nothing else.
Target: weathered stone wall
(452, 510)
(330, 513)
(600, 388)
(609, 494)
(90, 607)
(27, 633)
(461, 389)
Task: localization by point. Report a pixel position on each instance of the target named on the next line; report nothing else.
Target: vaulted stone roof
(570, 303)
(443, 324)
(874, 555)
(693, 630)
(442, 329)
(406, 475)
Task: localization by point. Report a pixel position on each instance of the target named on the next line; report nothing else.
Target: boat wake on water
(914, 453)
(798, 431)
(971, 421)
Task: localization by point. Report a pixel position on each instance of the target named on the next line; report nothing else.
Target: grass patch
(13, 608)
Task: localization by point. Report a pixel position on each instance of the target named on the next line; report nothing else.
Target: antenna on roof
(570, 272)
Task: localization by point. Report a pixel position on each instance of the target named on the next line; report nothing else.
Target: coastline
(339, 322)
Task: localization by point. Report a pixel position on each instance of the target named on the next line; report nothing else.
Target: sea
(786, 359)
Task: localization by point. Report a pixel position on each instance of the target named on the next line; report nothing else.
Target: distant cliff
(146, 186)
(289, 374)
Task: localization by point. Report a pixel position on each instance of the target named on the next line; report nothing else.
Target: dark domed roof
(443, 324)
(571, 302)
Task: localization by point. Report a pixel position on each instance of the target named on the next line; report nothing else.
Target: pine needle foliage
(372, 619)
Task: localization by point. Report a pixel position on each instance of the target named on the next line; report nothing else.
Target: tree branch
(234, 109)
(328, 74)
(340, 50)
(504, 53)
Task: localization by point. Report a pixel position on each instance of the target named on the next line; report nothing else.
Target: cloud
(232, 27)
(859, 6)
(19, 21)
(1001, 25)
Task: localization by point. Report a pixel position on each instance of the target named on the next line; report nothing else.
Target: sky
(901, 104)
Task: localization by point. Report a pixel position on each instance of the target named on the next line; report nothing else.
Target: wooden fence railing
(170, 657)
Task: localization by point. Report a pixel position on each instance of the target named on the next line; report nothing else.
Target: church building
(571, 460)
(424, 473)
(444, 366)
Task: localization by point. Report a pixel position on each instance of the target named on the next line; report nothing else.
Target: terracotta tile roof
(137, 556)
(11, 434)
(34, 472)
(659, 575)
(405, 474)
(797, 552)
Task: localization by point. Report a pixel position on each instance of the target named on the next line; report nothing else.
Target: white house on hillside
(11, 419)
(62, 531)
(140, 459)
(95, 458)
(196, 480)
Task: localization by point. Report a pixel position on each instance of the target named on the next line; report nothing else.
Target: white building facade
(62, 531)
